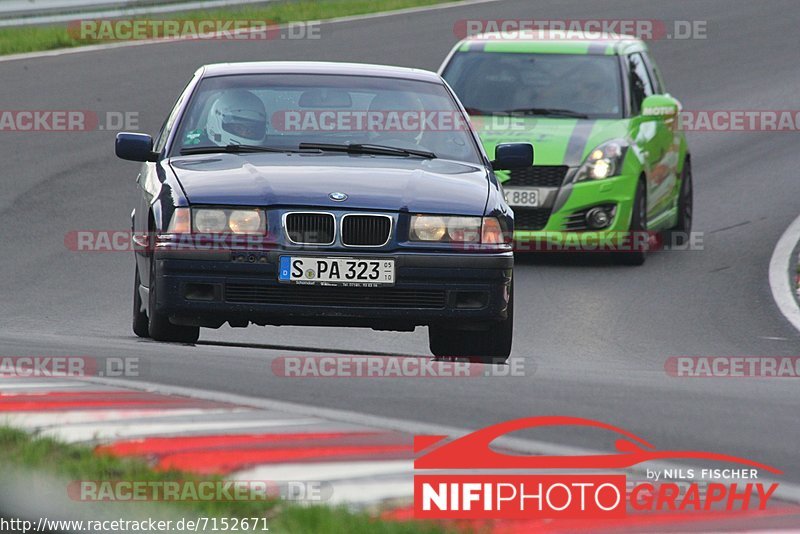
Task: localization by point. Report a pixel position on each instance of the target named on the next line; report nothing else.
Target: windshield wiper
(549, 112)
(379, 150)
(230, 149)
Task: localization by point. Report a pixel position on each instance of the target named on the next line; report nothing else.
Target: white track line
(781, 275)
(366, 492)
(338, 20)
(786, 491)
(73, 417)
(106, 431)
(49, 385)
(326, 471)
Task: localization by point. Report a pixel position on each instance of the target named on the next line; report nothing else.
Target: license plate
(522, 196)
(364, 272)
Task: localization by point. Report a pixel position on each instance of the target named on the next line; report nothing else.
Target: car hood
(556, 141)
(370, 182)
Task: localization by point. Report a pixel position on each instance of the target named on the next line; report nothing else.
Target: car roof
(318, 67)
(554, 42)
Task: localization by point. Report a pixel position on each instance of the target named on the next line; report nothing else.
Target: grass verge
(75, 462)
(21, 39)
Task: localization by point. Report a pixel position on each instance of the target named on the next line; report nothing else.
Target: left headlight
(235, 221)
(604, 161)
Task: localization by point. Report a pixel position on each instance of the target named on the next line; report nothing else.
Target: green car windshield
(376, 116)
(581, 86)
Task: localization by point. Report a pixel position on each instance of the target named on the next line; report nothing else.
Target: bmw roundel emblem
(337, 196)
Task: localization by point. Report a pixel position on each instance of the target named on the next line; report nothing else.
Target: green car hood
(556, 141)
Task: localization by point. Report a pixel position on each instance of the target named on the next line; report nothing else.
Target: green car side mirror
(660, 107)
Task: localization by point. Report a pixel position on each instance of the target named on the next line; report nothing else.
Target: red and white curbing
(362, 465)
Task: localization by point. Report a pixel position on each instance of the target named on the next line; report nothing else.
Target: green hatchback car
(612, 166)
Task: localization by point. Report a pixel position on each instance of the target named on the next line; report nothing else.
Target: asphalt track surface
(593, 336)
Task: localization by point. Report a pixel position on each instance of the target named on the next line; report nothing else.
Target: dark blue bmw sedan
(323, 194)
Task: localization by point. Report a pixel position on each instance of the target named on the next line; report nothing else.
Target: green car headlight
(604, 161)
(446, 229)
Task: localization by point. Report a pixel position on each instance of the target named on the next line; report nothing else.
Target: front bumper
(211, 288)
(577, 198)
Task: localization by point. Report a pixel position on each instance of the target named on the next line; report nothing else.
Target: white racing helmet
(397, 102)
(238, 117)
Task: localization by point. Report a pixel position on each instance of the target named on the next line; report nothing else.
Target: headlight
(246, 222)
(428, 228)
(464, 229)
(604, 161)
(210, 221)
(455, 229)
(181, 221)
(492, 232)
(219, 221)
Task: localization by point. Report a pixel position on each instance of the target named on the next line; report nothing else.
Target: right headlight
(457, 229)
(447, 229)
(604, 161)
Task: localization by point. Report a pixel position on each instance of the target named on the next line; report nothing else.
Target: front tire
(679, 234)
(638, 228)
(141, 325)
(159, 325)
(483, 346)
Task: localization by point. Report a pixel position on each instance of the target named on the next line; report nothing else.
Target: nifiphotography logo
(512, 486)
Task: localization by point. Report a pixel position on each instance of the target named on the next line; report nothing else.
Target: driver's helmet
(238, 117)
(401, 103)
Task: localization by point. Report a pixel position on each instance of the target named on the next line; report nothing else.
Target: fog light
(472, 300)
(598, 218)
(207, 292)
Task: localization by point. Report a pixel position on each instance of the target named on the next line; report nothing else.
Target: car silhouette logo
(473, 451)
(337, 196)
(499, 490)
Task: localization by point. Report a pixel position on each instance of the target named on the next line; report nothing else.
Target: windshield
(491, 82)
(325, 113)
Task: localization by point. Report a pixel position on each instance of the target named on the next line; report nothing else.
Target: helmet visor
(253, 126)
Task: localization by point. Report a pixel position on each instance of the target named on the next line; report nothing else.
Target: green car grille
(531, 218)
(536, 176)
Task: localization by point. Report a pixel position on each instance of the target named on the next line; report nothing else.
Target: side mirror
(660, 107)
(511, 156)
(134, 147)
